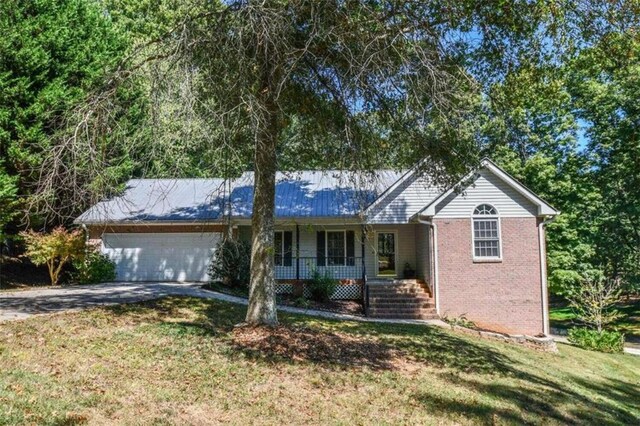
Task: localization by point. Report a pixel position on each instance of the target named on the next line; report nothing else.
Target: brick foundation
(504, 296)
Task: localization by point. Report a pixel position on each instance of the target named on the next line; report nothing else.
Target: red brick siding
(505, 296)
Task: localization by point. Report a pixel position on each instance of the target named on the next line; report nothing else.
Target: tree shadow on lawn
(346, 345)
(542, 402)
(466, 362)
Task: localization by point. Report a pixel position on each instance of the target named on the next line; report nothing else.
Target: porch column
(297, 252)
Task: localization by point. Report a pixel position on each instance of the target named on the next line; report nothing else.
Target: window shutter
(320, 248)
(351, 248)
(288, 248)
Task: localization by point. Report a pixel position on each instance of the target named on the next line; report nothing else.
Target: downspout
(436, 291)
(543, 274)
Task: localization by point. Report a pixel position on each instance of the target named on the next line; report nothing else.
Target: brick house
(404, 247)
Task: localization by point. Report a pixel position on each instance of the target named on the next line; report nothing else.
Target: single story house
(405, 247)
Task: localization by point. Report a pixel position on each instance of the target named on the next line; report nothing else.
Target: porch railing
(302, 268)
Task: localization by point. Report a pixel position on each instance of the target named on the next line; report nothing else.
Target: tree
(53, 53)
(8, 195)
(352, 69)
(367, 81)
(593, 300)
(55, 249)
(605, 83)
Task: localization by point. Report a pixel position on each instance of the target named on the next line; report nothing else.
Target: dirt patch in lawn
(301, 344)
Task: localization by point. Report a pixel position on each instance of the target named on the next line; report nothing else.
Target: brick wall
(504, 296)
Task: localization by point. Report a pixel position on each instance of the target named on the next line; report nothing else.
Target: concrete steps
(400, 299)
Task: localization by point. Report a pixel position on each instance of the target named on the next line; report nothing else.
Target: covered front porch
(355, 255)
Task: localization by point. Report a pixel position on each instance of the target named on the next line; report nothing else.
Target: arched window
(486, 232)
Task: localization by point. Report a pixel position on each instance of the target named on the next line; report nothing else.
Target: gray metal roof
(323, 194)
(327, 194)
(162, 200)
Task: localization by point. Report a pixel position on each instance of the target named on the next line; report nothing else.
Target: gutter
(543, 274)
(436, 287)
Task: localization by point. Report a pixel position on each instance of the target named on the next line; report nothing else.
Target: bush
(231, 263)
(55, 249)
(604, 341)
(93, 268)
(593, 300)
(322, 286)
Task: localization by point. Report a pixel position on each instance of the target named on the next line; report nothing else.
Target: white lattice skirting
(343, 291)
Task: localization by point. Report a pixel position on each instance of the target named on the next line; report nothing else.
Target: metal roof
(162, 200)
(328, 193)
(298, 194)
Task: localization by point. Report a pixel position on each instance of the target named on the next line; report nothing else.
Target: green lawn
(180, 361)
(563, 317)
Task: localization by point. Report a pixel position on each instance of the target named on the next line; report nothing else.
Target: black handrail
(302, 268)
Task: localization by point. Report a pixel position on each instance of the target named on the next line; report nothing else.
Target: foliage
(301, 302)
(322, 285)
(230, 263)
(53, 53)
(461, 321)
(593, 301)
(605, 82)
(8, 203)
(54, 249)
(94, 267)
(604, 341)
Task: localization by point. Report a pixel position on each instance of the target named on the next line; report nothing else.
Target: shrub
(322, 286)
(55, 249)
(231, 263)
(604, 341)
(301, 302)
(593, 300)
(460, 321)
(93, 268)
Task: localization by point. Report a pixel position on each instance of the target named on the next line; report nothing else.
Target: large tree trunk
(262, 292)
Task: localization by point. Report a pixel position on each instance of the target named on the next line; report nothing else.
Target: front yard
(180, 361)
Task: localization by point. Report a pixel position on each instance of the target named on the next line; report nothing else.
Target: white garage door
(160, 257)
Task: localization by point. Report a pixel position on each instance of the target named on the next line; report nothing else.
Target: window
(283, 241)
(486, 232)
(335, 248)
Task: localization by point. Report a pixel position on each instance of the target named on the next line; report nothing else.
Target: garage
(160, 256)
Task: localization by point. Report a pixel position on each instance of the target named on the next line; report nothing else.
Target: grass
(181, 361)
(562, 316)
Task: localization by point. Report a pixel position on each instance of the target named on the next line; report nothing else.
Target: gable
(490, 189)
(403, 201)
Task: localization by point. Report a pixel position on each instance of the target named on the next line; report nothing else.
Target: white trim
(434, 242)
(544, 209)
(543, 275)
(395, 252)
(485, 259)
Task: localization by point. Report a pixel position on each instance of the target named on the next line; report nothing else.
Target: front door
(386, 254)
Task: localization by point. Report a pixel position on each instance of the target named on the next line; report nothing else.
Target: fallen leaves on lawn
(301, 344)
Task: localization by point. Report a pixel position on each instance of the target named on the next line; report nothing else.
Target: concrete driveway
(23, 304)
